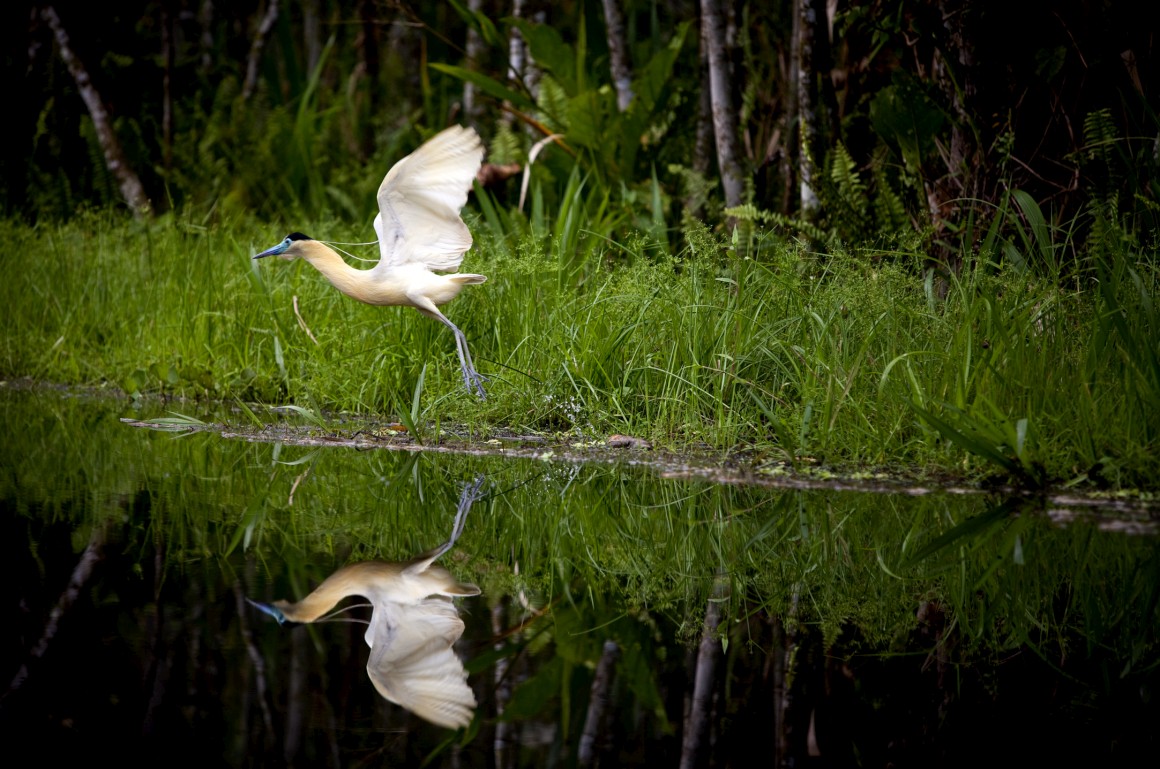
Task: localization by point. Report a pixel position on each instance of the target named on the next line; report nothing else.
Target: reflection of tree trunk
(258, 663)
(780, 698)
(701, 708)
(131, 189)
(788, 652)
(597, 703)
(503, 688)
(721, 94)
(81, 575)
(804, 22)
(295, 699)
(158, 649)
(618, 53)
(254, 60)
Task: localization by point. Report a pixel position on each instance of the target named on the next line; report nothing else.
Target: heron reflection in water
(412, 629)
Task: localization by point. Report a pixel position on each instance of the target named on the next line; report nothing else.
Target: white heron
(420, 236)
(413, 628)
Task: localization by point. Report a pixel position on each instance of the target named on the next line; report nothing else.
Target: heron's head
(273, 611)
(287, 249)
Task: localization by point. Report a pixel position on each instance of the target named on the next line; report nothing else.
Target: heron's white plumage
(420, 199)
(413, 628)
(413, 663)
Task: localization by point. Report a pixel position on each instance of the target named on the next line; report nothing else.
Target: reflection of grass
(1038, 370)
(615, 553)
(575, 532)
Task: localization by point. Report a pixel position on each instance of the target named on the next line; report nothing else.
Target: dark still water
(845, 628)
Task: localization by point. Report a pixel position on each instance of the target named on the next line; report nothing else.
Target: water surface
(855, 628)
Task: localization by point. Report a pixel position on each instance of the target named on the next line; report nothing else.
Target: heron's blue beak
(266, 608)
(278, 249)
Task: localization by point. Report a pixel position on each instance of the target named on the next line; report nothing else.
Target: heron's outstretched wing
(420, 199)
(412, 662)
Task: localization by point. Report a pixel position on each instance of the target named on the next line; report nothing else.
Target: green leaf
(488, 85)
(971, 527)
(481, 23)
(907, 118)
(977, 446)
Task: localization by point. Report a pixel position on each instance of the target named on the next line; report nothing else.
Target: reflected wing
(412, 662)
(420, 199)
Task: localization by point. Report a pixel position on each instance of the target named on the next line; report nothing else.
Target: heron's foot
(474, 382)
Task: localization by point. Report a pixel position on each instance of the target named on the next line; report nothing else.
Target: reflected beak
(264, 607)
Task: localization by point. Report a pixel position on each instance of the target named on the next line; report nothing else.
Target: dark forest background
(847, 121)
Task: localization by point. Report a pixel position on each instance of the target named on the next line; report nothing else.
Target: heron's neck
(354, 579)
(350, 281)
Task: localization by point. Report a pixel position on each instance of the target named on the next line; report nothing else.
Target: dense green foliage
(998, 334)
(918, 106)
(1042, 372)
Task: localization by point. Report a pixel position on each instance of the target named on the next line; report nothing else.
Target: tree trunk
(805, 19)
(618, 53)
(312, 33)
(368, 44)
(472, 111)
(254, 60)
(721, 96)
(703, 144)
(205, 22)
(368, 13)
(167, 57)
(953, 70)
(131, 189)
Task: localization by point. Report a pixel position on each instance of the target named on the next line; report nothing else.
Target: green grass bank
(1028, 361)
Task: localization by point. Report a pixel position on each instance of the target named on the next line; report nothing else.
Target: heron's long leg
(467, 498)
(472, 378)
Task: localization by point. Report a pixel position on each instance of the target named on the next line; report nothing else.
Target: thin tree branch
(131, 188)
(256, 45)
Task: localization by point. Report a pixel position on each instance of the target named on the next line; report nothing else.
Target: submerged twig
(301, 477)
(301, 322)
(81, 575)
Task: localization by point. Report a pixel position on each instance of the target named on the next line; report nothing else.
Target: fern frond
(748, 212)
(888, 206)
(505, 145)
(552, 100)
(846, 179)
(1099, 134)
